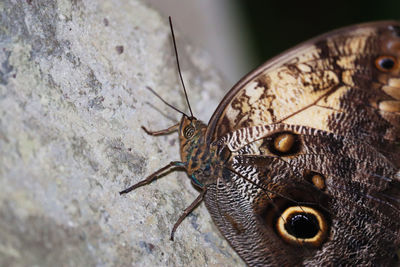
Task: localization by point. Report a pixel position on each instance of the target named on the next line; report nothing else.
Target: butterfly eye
(386, 63)
(301, 225)
(188, 131)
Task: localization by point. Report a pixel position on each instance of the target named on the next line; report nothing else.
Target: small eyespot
(317, 179)
(284, 143)
(188, 131)
(386, 63)
(302, 225)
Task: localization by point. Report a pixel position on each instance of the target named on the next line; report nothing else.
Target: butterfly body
(299, 165)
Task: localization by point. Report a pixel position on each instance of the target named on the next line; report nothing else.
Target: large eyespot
(386, 63)
(302, 225)
(188, 131)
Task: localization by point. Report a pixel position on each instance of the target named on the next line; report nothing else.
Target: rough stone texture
(72, 99)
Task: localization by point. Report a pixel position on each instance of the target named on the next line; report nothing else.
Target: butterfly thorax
(194, 151)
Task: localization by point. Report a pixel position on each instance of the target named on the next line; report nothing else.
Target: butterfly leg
(154, 176)
(169, 130)
(188, 210)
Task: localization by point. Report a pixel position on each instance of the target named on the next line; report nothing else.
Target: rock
(73, 77)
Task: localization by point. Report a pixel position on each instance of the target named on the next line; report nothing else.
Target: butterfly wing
(338, 97)
(359, 199)
(333, 82)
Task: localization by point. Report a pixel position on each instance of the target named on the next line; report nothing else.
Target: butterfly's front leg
(169, 130)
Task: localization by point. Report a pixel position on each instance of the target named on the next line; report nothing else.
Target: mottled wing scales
(243, 228)
(358, 181)
(322, 84)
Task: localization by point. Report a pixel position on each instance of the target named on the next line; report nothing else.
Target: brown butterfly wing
(360, 203)
(334, 95)
(239, 224)
(330, 83)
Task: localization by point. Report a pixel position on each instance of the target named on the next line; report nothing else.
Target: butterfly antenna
(179, 67)
(165, 102)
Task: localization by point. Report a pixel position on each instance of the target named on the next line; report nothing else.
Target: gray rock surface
(72, 99)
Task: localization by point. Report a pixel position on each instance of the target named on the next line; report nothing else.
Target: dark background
(274, 26)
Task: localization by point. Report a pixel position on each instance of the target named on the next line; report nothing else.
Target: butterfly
(299, 164)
